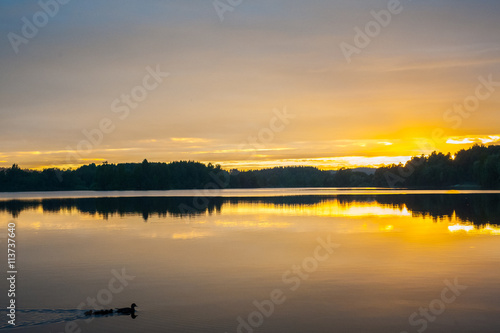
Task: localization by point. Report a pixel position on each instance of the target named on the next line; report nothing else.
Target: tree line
(477, 166)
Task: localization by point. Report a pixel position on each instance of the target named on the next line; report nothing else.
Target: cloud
(226, 78)
(468, 140)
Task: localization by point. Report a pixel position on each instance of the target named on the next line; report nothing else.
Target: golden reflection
(252, 224)
(190, 235)
(473, 229)
(36, 225)
(458, 227)
(387, 228)
(333, 208)
(337, 216)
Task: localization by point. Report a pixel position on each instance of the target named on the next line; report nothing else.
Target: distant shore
(475, 168)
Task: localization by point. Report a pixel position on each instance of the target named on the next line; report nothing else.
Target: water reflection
(201, 262)
(477, 209)
(472, 229)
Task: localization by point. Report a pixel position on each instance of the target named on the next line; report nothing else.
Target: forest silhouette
(476, 167)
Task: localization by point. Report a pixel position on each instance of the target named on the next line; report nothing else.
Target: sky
(246, 83)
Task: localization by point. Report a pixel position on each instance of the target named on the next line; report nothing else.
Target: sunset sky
(259, 84)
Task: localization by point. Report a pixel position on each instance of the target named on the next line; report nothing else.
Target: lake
(263, 260)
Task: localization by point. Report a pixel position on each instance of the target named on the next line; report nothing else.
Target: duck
(130, 310)
(103, 312)
(98, 312)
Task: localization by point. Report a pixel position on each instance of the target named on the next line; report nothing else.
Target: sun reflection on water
(327, 208)
(335, 215)
(473, 229)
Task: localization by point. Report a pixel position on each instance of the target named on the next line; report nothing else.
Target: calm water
(300, 260)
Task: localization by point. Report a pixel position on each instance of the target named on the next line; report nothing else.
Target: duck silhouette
(130, 311)
(103, 312)
(98, 312)
(122, 311)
